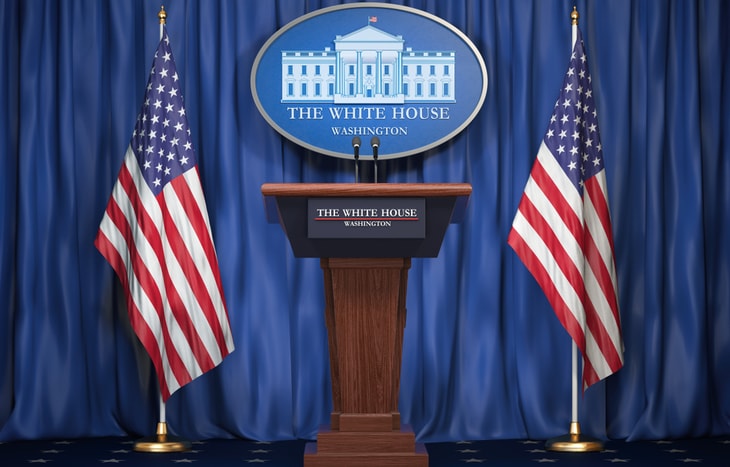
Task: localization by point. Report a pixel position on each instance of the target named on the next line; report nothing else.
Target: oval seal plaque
(376, 72)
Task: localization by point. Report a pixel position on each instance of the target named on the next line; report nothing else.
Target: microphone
(356, 150)
(356, 146)
(375, 143)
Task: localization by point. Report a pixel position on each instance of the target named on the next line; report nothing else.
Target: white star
(473, 460)
(164, 73)
(51, 451)
(175, 141)
(181, 111)
(545, 460)
(689, 459)
(616, 459)
(256, 461)
(173, 92)
(468, 451)
(259, 451)
(561, 149)
(535, 451)
(110, 461)
(186, 461)
(38, 461)
(156, 182)
(178, 126)
(166, 56)
(183, 160)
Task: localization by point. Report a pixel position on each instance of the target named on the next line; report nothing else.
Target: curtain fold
(484, 355)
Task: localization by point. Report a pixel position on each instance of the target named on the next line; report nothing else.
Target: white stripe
(148, 200)
(195, 313)
(594, 291)
(561, 180)
(193, 181)
(543, 254)
(138, 295)
(197, 252)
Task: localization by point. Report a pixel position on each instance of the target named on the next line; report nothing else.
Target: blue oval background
(405, 129)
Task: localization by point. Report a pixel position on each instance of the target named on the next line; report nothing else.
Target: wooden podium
(365, 278)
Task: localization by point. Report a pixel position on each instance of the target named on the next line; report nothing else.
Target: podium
(365, 235)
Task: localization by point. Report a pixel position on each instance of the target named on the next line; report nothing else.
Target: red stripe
(593, 321)
(179, 307)
(199, 226)
(144, 277)
(110, 253)
(199, 222)
(143, 332)
(556, 198)
(561, 309)
(562, 261)
(151, 231)
(599, 267)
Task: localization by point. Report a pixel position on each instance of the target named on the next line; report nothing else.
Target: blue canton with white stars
(161, 139)
(572, 134)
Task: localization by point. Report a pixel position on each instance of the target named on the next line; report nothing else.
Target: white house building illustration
(368, 66)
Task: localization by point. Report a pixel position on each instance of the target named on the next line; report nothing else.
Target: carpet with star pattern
(708, 452)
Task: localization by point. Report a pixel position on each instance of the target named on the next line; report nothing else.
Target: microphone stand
(375, 143)
(356, 149)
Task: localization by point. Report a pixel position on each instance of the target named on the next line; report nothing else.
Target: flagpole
(161, 441)
(574, 441)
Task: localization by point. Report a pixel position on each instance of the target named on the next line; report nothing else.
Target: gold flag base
(574, 442)
(162, 442)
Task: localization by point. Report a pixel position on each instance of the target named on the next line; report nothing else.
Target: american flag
(156, 235)
(562, 229)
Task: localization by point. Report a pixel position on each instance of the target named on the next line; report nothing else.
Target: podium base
(313, 458)
(162, 442)
(574, 442)
(351, 447)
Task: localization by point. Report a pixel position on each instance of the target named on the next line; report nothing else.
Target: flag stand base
(162, 442)
(574, 442)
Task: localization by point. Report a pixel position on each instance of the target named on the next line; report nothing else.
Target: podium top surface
(365, 189)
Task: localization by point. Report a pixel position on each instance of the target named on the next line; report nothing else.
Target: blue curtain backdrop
(484, 355)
